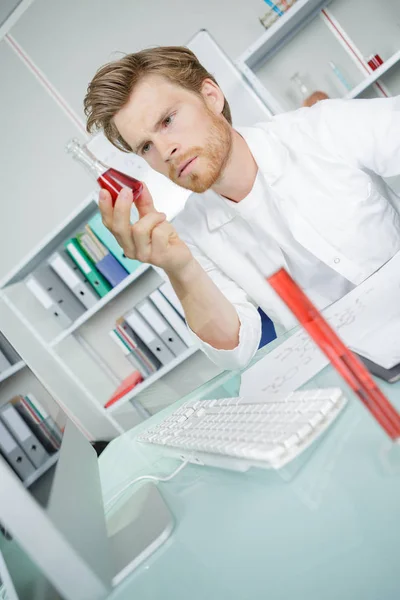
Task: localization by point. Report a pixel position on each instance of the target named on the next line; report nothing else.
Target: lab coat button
(336, 260)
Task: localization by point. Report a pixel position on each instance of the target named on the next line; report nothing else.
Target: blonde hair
(113, 84)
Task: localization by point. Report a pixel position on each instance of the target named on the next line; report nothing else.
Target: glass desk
(326, 527)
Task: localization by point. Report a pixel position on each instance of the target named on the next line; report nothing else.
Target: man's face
(178, 133)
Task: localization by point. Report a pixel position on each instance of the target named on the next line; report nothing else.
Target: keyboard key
(292, 441)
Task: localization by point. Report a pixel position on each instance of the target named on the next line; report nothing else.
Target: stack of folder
(28, 435)
(153, 333)
(85, 269)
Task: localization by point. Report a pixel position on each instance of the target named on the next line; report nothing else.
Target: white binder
(170, 314)
(14, 454)
(169, 292)
(161, 326)
(23, 435)
(54, 295)
(68, 271)
(149, 337)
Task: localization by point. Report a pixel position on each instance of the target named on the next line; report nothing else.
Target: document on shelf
(367, 319)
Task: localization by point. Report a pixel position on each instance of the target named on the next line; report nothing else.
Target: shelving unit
(51, 242)
(12, 370)
(20, 380)
(375, 75)
(100, 304)
(310, 35)
(41, 470)
(16, 8)
(281, 32)
(13, 358)
(153, 378)
(83, 353)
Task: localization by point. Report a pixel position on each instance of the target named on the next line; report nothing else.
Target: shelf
(100, 304)
(377, 74)
(12, 370)
(16, 10)
(41, 470)
(296, 17)
(150, 380)
(52, 241)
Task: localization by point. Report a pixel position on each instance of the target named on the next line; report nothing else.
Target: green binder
(105, 236)
(85, 264)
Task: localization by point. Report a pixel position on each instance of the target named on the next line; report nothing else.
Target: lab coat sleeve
(250, 321)
(365, 133)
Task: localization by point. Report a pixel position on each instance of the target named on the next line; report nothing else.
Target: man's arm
(208, 312)
(219, 313)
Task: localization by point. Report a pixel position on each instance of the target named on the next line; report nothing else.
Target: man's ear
(213, 96)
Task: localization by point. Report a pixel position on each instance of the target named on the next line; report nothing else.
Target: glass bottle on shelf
(304, 95)
(275, 10)
(269, 18)
(301, 89)
(108, 178)
(284, 5)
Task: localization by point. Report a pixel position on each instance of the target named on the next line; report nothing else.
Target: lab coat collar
(270, 156)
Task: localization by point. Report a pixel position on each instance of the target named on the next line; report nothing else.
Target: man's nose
(169, 151)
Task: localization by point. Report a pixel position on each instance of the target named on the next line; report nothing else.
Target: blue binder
(112, 270)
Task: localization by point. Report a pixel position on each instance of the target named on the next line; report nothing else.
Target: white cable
(151, 477)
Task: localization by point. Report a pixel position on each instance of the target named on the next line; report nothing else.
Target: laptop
(62, 546)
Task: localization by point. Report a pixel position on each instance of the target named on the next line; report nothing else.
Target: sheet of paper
(382, 345)
(358, 318)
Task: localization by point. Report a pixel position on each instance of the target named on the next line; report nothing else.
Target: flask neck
(83, 155)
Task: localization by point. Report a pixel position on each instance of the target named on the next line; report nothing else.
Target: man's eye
(145, 148)
(169, 120)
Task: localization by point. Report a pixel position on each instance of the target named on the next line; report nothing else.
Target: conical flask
(108, 178)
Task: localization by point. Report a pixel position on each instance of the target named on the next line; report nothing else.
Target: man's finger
(121, 225)
(161, 237)
(106, 208)
(127, 244)
(142, 231)
(144, 203)
(122, 212)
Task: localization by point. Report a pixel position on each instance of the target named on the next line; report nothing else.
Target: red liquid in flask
(113, 181)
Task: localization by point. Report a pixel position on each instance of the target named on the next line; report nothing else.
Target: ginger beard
(212, 158)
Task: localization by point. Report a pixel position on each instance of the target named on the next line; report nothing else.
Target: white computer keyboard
(239, 433)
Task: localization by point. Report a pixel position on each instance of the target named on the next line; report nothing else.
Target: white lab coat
(324, 165)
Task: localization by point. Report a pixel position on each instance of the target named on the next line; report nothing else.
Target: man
(303, 190)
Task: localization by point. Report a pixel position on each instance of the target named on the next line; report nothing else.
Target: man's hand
(152, 239)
